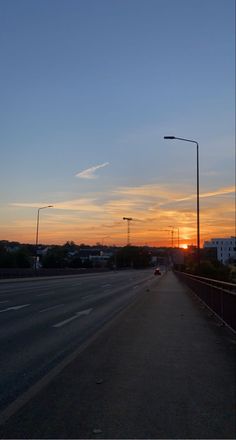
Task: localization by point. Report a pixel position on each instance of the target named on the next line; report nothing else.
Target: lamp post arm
(187, 140)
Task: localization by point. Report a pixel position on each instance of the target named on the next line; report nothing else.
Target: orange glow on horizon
(98, 217)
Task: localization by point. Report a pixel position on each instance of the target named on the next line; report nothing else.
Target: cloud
(152, 206)
(89, 173)
(220, 192)
(87, 205)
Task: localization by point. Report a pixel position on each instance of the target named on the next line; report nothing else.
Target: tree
(210, 269)
(6, 259)
(133, 256)
(23, 258)
(19, 258)
(75, 262)
(55, 257)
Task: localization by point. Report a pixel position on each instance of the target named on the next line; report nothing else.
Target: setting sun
(184, 246)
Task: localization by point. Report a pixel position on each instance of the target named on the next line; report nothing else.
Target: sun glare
(184, 246)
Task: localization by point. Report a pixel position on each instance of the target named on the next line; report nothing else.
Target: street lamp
(198, 210)
(37, 232)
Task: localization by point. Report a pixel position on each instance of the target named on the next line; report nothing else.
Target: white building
(226, 248)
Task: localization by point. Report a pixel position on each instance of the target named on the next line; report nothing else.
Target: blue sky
(94, 82)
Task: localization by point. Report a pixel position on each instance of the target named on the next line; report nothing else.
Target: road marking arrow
(14, 308)
(78, 314)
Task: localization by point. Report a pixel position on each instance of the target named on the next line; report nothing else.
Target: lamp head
(169, 137)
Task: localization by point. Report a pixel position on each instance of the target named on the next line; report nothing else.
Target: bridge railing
(219, 296)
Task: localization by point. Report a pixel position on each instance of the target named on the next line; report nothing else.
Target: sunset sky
(88, 90)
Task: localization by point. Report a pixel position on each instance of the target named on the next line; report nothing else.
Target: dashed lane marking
(77, 315)
(14, 308)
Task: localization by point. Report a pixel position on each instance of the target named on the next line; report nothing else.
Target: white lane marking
(2, 302)
(50, 308)
(14, 308)
(78, 314)
(106, 285)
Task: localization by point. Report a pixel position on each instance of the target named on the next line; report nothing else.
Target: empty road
(163, 368)
(43, 321)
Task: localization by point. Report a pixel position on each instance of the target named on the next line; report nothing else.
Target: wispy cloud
(83, 204)
(90, 172)
(219, 192)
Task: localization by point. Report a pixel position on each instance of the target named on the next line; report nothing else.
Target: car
(157, 271)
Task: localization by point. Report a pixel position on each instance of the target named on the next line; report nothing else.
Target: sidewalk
(163, 369)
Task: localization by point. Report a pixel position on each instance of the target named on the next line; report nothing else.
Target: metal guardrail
(219, 296)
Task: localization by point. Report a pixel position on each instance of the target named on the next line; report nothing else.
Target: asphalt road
(43, 321)
(162, 368)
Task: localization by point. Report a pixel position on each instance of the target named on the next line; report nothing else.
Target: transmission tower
(129, 219)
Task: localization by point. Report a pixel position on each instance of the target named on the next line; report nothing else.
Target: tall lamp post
(198, 209)
(37, 234)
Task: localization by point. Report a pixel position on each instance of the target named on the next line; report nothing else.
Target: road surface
(42, 321)
(162, 368)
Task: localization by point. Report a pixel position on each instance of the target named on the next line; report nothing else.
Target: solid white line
(50, 308)
(78, 314)
(14, 308)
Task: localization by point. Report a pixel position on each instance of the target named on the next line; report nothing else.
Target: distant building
(95, 255)
(225, 247)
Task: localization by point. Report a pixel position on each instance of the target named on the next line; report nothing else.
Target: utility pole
(129, 219)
